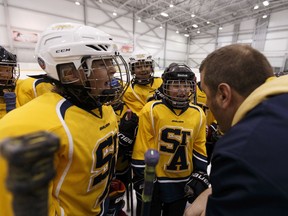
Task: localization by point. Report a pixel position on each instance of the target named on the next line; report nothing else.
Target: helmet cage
(181, 77)
(116, 81)
(143, 75)
(9, 74)
(186, 89)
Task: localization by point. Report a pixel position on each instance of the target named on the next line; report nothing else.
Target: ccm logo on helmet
(182, 75)
(63, 50)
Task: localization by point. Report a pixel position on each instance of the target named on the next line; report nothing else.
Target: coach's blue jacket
(249, 167)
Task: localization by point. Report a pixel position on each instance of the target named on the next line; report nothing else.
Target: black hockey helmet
(7, 58)
(182, 76)
(9, 70)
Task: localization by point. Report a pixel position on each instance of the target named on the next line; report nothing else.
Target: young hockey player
(82, 63)
(143, 83)
(175, 128)
(14, 92)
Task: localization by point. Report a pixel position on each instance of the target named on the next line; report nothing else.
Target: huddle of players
(152, 113)
(167, 119)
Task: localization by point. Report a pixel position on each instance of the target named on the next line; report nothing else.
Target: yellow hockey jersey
(30, 88)
(180, 138)
(136, 95)
(86, 159)
(25, 91)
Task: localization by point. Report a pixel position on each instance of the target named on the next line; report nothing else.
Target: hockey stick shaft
(151, 160)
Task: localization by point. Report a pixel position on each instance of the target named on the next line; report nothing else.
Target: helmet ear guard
(67, 73)
(179, 75)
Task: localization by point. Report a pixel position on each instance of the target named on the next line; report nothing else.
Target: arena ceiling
(194, 16)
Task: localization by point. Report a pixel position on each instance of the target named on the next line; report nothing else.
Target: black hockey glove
(158, 95)
(116, 195)
(212, 136)
(127, 132)
(196, 185)
(212, 133)
(30, 169)
(138, 186)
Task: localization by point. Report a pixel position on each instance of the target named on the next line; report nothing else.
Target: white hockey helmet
(143, 60)
(78, 46)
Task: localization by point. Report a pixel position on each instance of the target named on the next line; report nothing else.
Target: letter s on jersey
(174, 141)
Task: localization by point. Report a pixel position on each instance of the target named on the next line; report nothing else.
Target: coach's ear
(224, 95)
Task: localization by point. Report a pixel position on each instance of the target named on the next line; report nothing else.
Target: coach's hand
(198, 207)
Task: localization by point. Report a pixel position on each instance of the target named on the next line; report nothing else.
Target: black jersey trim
(64, 107)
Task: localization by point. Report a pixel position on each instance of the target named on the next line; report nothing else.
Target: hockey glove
(116, 195)
(30, 159)
(138, 186)
(127, 132)
(196, 185)
(212, 136)
(158, 95)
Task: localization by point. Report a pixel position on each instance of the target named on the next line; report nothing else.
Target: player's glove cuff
(158, 95)
(125, 139)
(196, 185)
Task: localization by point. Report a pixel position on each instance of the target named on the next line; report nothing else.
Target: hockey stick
(151, 160)
(130, 185)
(131, 197)
(30, 168)
(128, 199)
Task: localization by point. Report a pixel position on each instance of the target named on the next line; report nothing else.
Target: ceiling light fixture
(186, 35)
(192, 15)
(220, 28)
(139, 20)
(171, 5)
(77, 3)
(198, 32)
(195, 25)
(264, 16)
(114, 13)
(256, 7)
(164, 14)
(161, 26)
(265, 3)
(177, 32)
(208, 22)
